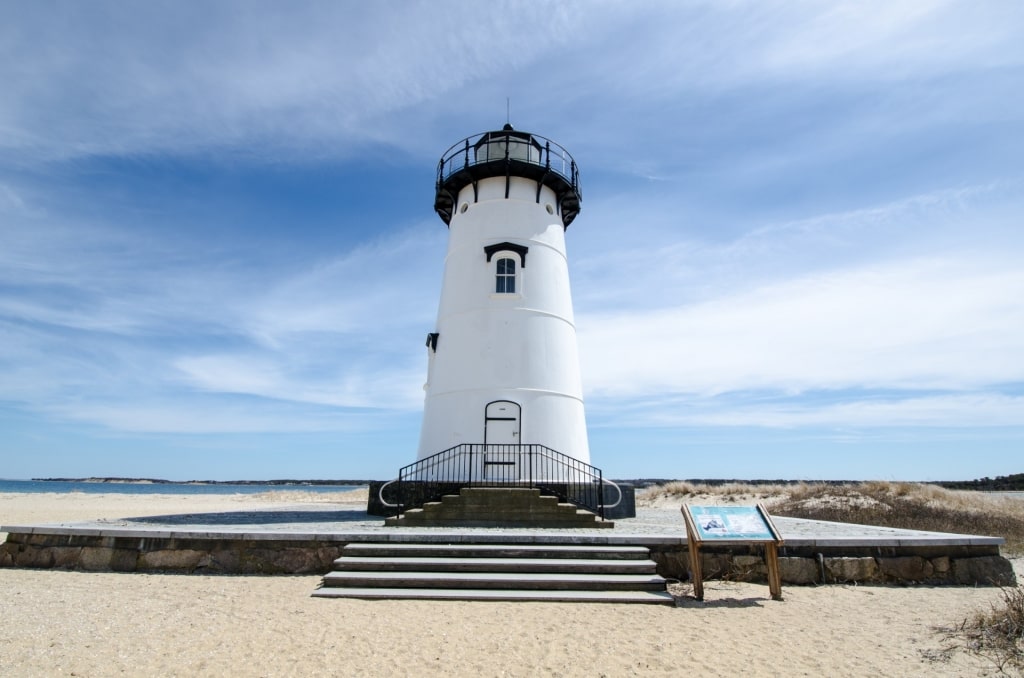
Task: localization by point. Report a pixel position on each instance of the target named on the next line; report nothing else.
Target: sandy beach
(103, 624)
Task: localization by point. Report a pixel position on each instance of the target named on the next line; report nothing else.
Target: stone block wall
(976, 566)
(186, 556)
(745, 564)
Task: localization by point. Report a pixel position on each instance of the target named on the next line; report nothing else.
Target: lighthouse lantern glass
(494, 144)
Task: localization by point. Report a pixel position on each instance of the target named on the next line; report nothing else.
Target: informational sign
(732, 525)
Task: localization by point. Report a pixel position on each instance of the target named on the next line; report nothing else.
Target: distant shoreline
(161, 481)
(1011, 483)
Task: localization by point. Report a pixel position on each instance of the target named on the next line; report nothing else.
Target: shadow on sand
(690, 601)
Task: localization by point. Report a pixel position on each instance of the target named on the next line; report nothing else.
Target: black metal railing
(480, 465)
(506, 145)
(506, 154)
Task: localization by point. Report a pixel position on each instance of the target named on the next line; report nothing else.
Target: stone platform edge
(926, 559)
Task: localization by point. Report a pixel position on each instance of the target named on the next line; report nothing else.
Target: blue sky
(799, 254)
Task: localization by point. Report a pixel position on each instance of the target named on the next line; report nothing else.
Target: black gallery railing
(505, 146)
(480, 465)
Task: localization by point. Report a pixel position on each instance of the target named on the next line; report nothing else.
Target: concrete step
(483, 495)
(513, 513)
(502, 522)
(536, 565)
(564, 522)
(496, 580)
(462, 511)
(413, 550)
(499, 507)
(495, 571)
(563, 596)
(524, 500)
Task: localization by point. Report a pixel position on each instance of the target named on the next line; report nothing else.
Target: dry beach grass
(102, 624)
(997, 633)
(915, 506)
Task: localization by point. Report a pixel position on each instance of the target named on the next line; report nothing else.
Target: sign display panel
(730, 523)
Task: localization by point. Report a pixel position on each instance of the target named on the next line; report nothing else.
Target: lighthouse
(503, 373)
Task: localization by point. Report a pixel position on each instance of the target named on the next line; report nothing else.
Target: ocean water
(159, 488)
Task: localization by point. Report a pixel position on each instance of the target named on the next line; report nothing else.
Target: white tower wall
(518, 347)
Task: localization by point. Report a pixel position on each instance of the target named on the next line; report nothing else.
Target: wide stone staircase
(488, 571)
(499, 507)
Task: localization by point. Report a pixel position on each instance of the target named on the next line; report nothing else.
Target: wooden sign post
(729, 525)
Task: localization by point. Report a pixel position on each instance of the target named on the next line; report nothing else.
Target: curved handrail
(380, 494)
(521, 465)
(617, 489)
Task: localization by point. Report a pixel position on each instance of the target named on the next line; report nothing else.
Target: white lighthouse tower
(503, 372)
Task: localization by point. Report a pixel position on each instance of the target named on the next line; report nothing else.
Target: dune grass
(685, 490)
(914, 506)
(996, 634)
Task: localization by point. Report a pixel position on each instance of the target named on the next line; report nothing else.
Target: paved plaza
(343, 522)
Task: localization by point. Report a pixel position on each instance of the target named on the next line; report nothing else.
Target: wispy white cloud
(93, 315)
(323, 78)
(365, 383)
(214, 416)
(314, 78)
(368, 290)
(911, 324)
(918, 298)
(843, 413)
(671, 257)
(890, 40)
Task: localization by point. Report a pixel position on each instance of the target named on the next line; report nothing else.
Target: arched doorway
(502, 423)
(502, 426)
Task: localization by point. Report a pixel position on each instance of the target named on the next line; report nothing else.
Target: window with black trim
(510, 258)
(505, 279)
